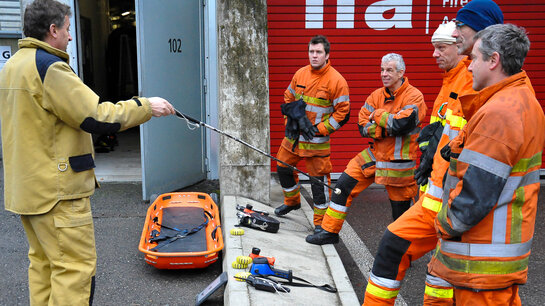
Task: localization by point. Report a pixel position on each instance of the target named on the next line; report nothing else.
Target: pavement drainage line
(361, 255)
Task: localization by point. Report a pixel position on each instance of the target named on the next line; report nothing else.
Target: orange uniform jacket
(393, 120)
(325, 92)
(491, 189)
(457, 82)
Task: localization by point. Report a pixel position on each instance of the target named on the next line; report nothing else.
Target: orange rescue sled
(182, 231)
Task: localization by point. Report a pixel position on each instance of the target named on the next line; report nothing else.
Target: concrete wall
(243, 103)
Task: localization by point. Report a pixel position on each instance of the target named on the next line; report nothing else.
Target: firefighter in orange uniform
(413, 234)
(317, 104)
(392, 116)
(486, 223)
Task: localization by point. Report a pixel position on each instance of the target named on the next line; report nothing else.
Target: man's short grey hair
(394, 57)
(509, 41)
(41, 14)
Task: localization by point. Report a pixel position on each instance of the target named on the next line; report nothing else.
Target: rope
(190, 125)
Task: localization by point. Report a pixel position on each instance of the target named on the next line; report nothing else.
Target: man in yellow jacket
(486, 223)
(317, 104)
(47, 115)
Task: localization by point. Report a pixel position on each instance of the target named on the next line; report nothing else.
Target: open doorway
(108, 63)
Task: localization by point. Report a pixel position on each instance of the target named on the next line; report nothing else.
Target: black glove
(292, 129)
(432, 134)
(424, 169)
(306, 128)
(428, 132)
(295, 109)
(445, 152)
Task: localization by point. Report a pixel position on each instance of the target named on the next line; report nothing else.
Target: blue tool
(261, 267)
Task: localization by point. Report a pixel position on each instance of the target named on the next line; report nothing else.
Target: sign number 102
(175, 45)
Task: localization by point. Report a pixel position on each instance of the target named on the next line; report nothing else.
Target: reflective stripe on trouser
(381, 291)
(338, 207)
(352, 182)
(289, 180)
(438, 291)
(320, 196)
(504, 297)
(408, 238)
(62, 254)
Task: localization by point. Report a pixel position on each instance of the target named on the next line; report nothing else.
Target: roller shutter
(361, 32)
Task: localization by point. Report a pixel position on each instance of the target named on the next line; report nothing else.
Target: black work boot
(317, 229)
(323, 237)
(284, 209)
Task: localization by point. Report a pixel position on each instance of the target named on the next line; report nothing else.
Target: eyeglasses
(459, 24)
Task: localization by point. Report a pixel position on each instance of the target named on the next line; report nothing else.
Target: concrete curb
(291, 251)
(345, 290)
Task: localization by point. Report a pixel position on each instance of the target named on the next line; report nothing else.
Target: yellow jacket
(47, 114)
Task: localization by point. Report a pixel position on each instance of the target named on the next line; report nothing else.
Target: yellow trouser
(62, 254)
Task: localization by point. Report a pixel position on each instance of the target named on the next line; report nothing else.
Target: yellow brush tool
(245, 260)
(237, 231)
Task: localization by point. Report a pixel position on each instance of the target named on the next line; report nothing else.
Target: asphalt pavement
(122, 277)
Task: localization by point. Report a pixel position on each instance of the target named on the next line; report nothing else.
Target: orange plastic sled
(182, 231)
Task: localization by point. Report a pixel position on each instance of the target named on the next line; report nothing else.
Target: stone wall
(243, 97)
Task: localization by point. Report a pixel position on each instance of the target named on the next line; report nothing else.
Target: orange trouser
(318, 167)
(406, 239)
(505, 297)
(352, 182)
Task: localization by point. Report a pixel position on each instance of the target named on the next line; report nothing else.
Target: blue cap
(479, 14)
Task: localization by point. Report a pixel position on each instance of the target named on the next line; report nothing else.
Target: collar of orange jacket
(473, 102)
(390, 96)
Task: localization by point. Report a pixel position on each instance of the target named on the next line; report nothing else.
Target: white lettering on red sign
(314, 14)
(454, 3)
(379, 15)
(374, 14)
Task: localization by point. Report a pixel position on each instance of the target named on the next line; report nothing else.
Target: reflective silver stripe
(486, 163)
(292, 188)
(315, 139)
(369, 107)
(398, 147)
(326, 191)
(434, 190)
(334, 123)
(373, 158)
(292, 91)
(366, 127)
(390, 165)
(389, 124)
(500, 213)
(436, 281)
(319, 110)
(486, 250)
(450, 132)
(340, 99)
(450, 183)
(338, 207)
(514, 182)
(457, 225)
(415, 108)
(385, 282)
(498, 224)
(321, 206)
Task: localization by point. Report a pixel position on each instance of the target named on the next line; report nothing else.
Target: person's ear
(494, 60)
(53, 30)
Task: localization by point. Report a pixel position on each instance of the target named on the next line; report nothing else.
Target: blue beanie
(479, 14)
